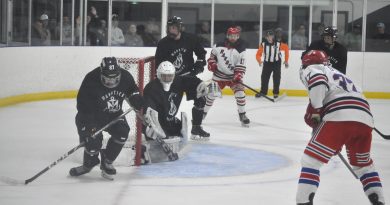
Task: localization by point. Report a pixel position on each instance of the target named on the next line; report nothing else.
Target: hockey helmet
(166, 73)
(110, 72)
(314, 57)
(233, 34)
(329, 31)
(176, 22)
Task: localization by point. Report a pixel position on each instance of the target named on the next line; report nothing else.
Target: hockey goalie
(163, 97)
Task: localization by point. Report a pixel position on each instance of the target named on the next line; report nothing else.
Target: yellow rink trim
(30, 97)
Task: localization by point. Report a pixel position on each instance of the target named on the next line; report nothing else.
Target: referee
(271, 49)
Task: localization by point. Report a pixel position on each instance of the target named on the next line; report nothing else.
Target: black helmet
(330, 31)
(110, 72)
(174, 20)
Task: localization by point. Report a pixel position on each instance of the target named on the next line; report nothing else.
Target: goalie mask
(110, 72)
(166, 74)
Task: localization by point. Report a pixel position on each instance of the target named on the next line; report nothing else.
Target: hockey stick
(347, 165)
(16, 182)
(257, 92)
(172, 156)
(387, 137)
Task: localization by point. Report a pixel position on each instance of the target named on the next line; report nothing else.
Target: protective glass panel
(140, 23)
(196, 19)
(19, 20)
(378, 26)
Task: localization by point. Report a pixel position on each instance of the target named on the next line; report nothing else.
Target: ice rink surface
(248, 166)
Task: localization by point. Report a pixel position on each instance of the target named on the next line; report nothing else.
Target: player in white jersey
(227, 62)
(339, 115)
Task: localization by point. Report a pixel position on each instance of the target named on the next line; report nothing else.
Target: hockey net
(143, 71)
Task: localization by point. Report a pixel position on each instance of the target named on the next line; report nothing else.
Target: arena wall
(37, 73)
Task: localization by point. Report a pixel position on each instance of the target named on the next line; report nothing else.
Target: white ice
(256, 165)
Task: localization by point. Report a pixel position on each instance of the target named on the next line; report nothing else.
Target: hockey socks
(308, 183)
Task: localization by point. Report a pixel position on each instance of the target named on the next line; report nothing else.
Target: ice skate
(244, 119)
(78, 171)
(108, 170)
(311, 197)
(198, 134)
(374, 199)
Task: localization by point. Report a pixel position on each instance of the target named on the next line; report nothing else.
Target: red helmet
(233, 34)
(314, 57)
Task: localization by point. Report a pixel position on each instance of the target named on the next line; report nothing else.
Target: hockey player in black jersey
(165, 93)
(178, 48)
(99, 101)
(337, 53)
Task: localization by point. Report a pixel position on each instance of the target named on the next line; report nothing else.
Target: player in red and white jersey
(339, 115)
(227, 62)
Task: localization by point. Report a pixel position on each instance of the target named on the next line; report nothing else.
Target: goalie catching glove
(205, 88)
(312, 116)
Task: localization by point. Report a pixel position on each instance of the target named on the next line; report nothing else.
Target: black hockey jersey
(167, 103)
(180, 52)
(337, 56)
(98, 104)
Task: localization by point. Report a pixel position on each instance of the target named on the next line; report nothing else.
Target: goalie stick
(387, 137)
(16, 181)
(266, 97)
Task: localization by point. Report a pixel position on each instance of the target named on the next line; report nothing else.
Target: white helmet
(166, 73)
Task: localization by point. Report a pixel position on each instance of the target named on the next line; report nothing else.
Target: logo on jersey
(173, 109)
(226, 60)
(113, 105)
(113, 100)
(178, 59)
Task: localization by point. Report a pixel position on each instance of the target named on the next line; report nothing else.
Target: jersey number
(345, 83)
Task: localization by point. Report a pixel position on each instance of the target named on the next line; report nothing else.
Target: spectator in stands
(299, 39)
(204, 34)
(92, 26)
(280, 36)
(102, 33)
(132, 38)
(66, 31)
(153, 28)
(353, 39)
(40, 34)
(77, 31)
(117, 37)
(317, 34)
(148, 38)
(381, 38)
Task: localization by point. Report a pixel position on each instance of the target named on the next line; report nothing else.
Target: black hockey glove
(136, 101)
(198, 66)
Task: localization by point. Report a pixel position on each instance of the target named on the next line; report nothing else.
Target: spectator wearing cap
(381, 39)
(40, 34)
(269, 52)
(353, 39)
(117, 37)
